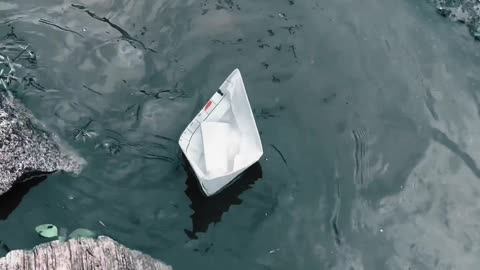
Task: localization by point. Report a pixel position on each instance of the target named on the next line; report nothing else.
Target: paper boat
(222, 140)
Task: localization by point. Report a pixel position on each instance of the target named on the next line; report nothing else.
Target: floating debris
(47, 230)
(267, 113)
(283, 16)
(66, 29)
(293, 28)
(9, 66)
(262, 44)
(229, 42)
(84, 133)
(92, 90)
(7, 71)
(32, 81)
(124, 34)
(273, 251)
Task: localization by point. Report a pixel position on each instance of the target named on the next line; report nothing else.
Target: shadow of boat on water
(208, 210)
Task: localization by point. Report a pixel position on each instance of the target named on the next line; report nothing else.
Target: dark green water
(368, 112)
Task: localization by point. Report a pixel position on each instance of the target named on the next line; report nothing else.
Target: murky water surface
(368, 112)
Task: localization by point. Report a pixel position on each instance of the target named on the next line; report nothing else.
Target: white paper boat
(222, 141)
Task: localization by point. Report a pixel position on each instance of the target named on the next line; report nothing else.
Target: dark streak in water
(137, 114)
(59, 27)
(266, 113)
(280, 153)
(20, 54)
(230, 42)
(178, 92)
(165, 138)
(125, 34)
(294, 52)
(158, 145)
(388, 45)
(292, 29)
(10, 21)
(91, 90)
(430, 103)
(130, 107)
(443, 139)
(336, 212)
(79, 6)
(359, 156)
(329, 98)
(29, 81)
(356, 153)
(158, 157)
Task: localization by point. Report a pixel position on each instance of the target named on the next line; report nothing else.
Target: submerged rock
(86, 254)
(26, 150)
(463, 11)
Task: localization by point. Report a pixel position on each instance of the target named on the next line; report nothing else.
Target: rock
(85, 254)
(26, 150)
(462, 11)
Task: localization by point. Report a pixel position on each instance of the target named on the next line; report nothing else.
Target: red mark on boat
(209, 103)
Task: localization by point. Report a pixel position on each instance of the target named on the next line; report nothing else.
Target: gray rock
(463, 11)
(85, 254)
(26, 150)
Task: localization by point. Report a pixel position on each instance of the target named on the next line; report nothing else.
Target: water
(368, 112)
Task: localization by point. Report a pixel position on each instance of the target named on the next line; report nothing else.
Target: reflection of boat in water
(208, 210)
(222, 141)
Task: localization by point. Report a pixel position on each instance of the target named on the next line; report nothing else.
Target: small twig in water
(280, 153)
(91, 90)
